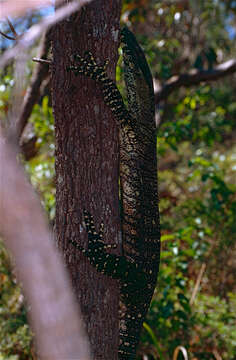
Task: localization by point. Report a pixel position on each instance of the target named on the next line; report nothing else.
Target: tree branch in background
(53, 311)
(33, 92)
(15, 37)
(36, 30)
(195, 77)
(12, 28)
(24, 42)
(7, 36)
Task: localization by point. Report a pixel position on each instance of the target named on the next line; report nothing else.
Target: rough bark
(87, 163)
(53, 311)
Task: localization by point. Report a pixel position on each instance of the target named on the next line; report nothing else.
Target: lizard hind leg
(97, 254)
(93, 235)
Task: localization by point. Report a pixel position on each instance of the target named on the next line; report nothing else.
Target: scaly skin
(137, 267)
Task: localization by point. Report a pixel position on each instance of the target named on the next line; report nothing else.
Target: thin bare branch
(12, 28)
(198, 282)
(35, 31)
(42, 61)
(195, 77)
(7, 36)
(53, 310)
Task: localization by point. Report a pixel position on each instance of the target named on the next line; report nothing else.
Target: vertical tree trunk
(87, 163)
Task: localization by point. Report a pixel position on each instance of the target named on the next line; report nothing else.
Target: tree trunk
(87, 164)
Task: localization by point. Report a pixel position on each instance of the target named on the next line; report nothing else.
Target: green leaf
(154, 339)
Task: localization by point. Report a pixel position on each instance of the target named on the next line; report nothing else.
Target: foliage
(41, 168)
(15, 335)
(198, 227)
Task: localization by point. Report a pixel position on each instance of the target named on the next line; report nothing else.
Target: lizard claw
(105, 65)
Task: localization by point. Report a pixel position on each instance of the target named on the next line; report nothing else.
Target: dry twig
(12, 28)
(183, 351)
(7, 36)
(198, 282)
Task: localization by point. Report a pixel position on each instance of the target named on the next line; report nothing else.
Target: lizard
(137, 267)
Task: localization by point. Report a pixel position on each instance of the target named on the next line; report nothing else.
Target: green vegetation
(15, 335)
(194, 305)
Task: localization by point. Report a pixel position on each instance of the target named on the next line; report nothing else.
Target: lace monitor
(137, 267)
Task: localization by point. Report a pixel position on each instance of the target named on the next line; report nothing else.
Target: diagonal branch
(12, 28)
(54, 314)
(195, 77)
(7, 36)
(36, 30)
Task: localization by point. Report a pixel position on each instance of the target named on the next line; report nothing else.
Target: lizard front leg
(87, 66)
